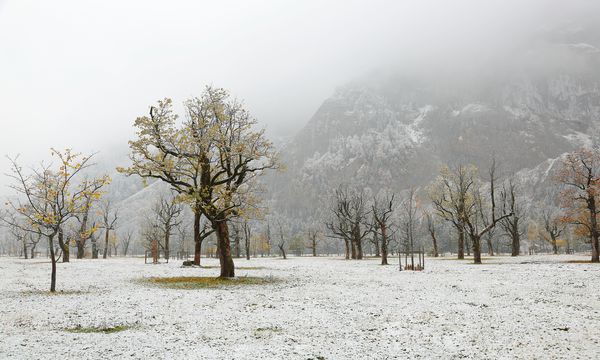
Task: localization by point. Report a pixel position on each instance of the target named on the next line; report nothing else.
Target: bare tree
(313, 240)
(431, 229)
(281, 243)
(247, 228)
(553, 228)
(109, 222)
(235, 231)
(125, 242)
(18, 230)
(512, 224)
(382, 210)
(349, 216)
(167, 211)
(479, 224)
(409, 223)
(450, 197)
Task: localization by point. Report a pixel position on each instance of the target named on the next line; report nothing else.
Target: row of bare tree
(475, 208)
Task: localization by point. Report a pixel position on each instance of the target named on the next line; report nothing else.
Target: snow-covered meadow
(538, 307)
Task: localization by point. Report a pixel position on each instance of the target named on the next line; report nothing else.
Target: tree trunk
(282, 252)
(594, 229)
(33, 250)
(347, 244)
(554, 245)
(53, 259)
(167, 240)
(476, 240)
(94, 248)
(236, 244)
(80, 249)
(384, 260)
(376, 241)
(24, 248)
(461, 242)
(247, 249)
(353, 249)
(435, 246)
(106, 234)
(490, 246)
(197, 239)
(64, 247)
(224, 248)
(516, 240)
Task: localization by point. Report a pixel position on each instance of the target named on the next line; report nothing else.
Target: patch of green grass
(99, 329)
(191, 283)
(268, 331)
(275, 329)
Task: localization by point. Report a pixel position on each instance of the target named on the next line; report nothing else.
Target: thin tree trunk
(197, 239)
(594, 229)
(554, 245)
(80, 249)
(384, 260)
(347, 245)
(516, 240)
(94, 248)
(247, 241)
(24, 248)
(167, 240)
(53, 259)
(476, 249)
(33, 250)
(224, 248)
(106, 233)
(461, 242)
(435, 245)
(490, 246)
(64, 247)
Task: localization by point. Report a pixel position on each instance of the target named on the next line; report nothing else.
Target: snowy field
(537, 307)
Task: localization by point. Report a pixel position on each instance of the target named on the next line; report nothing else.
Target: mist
(77, 75)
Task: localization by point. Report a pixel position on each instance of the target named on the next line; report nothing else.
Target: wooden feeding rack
(418, 265)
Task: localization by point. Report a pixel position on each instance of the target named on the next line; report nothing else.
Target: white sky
(77, 73)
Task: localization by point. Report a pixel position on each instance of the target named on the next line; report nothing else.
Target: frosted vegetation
(419, 214)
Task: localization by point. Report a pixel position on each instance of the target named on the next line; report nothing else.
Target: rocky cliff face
(395, 132)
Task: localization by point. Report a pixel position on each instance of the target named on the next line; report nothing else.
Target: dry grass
(191, 283)
(100, 330)
(237, 267)
(580, 262)
(56, 293)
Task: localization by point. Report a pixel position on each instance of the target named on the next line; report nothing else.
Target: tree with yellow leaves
(50, 197)
(210, 159)
(580, 175)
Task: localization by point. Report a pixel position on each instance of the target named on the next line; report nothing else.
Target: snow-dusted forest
(316, 180)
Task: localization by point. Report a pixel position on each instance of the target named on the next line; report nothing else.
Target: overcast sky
(77, 73)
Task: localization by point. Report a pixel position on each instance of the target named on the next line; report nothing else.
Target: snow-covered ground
(325, 308)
